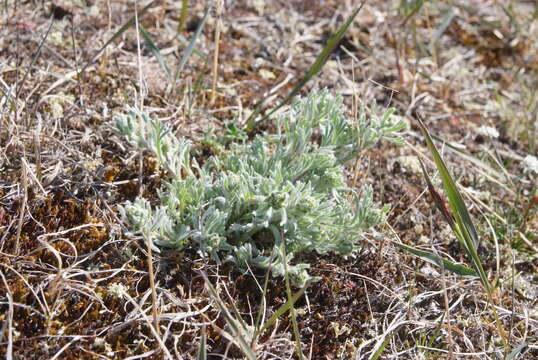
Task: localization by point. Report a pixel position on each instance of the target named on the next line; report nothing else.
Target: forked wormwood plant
(291, 182)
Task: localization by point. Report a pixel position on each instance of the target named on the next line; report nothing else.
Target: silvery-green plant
(291, 182)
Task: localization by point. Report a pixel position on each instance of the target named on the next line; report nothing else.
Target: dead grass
(75, 284)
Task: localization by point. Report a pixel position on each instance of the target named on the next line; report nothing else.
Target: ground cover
(75, 281)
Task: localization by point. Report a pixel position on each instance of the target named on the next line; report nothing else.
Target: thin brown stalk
(354, 109)
(37, 153)
(151, 273)
(24, 181)
(216, 50)
(18, 85)
(75, 54)
(9, 295)
(139, 59)
(34, 58)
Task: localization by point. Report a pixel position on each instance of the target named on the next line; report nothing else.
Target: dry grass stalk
(9, 330)
(151, 273)
(218, 25)
(22, 210)
(183, 15)
(154, 331)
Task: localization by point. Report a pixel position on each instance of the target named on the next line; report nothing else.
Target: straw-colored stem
(24, 178)
(216, 51)
(183, 15)
(151, 275)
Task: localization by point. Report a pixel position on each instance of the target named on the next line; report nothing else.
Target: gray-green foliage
(291, 182)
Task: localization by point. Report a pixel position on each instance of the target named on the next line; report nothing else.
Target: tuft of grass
(249, 338)
(292, 180)
(462, 227)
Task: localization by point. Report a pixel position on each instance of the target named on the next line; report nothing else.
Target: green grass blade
(439, 261)
(379, 351)
(455, 146)
(521, 347)
(279, 239)
(236, 325)
(202, 348)
(455, 200)
(316, 67)
(463, 228)
(437, 199)
(195, 51)
(415, 9)
(155, 51)
(447, 19)
(437, 331)
(284, 308)
(190, 48)
(117, 34)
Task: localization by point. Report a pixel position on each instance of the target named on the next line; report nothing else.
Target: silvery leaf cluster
(263, 202)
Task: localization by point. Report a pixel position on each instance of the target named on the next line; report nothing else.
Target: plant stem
(183, 15)
(216, 51)
(151, 275)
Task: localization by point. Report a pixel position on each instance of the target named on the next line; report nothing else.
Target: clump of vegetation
(285, 187)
